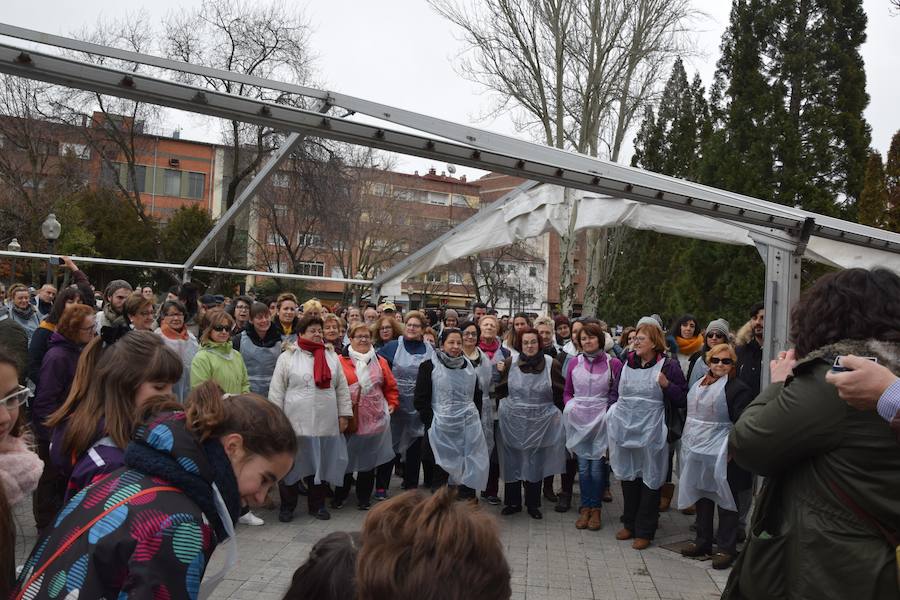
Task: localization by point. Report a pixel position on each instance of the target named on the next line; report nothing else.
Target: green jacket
(223, 364)
(805, 541)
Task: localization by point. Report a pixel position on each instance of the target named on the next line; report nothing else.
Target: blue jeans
(592, 479)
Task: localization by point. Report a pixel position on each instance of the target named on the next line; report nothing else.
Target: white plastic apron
(531, 444)
(636, 427)
(456, 435)
(406, 425)
(324, 457)
(484, 371)
(704, 447)
(371, 445)
(260, 362)
(210, 582)
(584, 417)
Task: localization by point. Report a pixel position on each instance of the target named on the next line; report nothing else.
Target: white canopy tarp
(546, 207)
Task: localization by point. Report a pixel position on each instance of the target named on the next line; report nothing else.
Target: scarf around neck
(321, 370)
(535, 362)
(450, 362)
(24, 313)
(361, 362)
(489, 348)
(113, 318)
(171, 334)
(689, 346)
(20, 469)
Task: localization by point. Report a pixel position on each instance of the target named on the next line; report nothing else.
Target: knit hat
(651, 320)
(561, 320)
(451, 313)
(720, 325)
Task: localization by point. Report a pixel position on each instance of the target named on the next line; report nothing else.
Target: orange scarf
(172, 334)
(689, 346)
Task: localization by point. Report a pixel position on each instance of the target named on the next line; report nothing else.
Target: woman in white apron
(449, 401)
(405, 355)
(636, 429)
(531, 440)
(260, 346)
(592, 382)
(708, 479)
(471, 334)
(310, 387)
(491, 347)
(373, 391)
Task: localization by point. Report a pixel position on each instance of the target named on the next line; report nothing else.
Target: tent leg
(782, 291)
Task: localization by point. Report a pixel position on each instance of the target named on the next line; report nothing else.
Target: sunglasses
(725, 361)
(221, 328)
(715, 334)
(16, 399)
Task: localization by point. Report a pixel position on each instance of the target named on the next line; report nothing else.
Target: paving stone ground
(549, 559)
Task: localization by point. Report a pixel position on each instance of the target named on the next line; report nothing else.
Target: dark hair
(517, 342)
(446, 332)
(176, 304)
(594, 330)
(756, 308)
(418, 546)
(188, 295)
(306, 322)
(19, 427)
(854, 304)
(264, 427)
(59, 305)
(466, 324)
(479, 305)
(676, 326)
(257, 309)
(330, 571)
(245, 299)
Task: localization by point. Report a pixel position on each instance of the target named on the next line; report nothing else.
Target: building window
(438, 198)
(455, 278)
(460, 200)
(172, 183)
(379, 189)
(316, 269)
(196, 184)
(310, 239)
(532, 271)
(280, 180)
(80, 151)
(274, 239)
(140, 178)
(109, 174)
(434, 277)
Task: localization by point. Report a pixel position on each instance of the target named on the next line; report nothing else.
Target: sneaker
(249, 518)
(510, 510)
(722, 560)
(322, 514)
(493, 500)
(380, 494)
(286, 515)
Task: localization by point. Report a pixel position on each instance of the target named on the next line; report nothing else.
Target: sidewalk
(550, 559)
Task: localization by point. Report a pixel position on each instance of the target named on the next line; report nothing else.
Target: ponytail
(265, 429)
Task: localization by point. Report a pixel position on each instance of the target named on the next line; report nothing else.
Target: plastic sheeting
(547, 208)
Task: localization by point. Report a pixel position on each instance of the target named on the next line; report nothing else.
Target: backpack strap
(864, 516)
(83, 529)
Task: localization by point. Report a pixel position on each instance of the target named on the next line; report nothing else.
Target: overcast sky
(401, 53)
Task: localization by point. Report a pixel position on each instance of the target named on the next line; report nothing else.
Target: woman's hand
(663, 380)
(69, 263)
(782, 367)
(501, 366)
(342, 423)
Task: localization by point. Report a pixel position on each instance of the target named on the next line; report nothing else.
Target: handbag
(675, 418)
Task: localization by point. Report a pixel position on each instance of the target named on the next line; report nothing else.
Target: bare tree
(574, 72)
(269, 40)
(489, 271)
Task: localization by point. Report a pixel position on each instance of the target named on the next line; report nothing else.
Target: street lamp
(51, 229)
(13, 246)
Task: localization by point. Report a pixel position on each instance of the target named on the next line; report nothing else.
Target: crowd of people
(155, 425)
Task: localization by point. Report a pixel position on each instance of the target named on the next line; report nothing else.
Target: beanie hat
(720, 325)
(649, 321)
(451, 313)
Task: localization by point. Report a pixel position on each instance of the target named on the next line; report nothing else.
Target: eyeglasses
(725, 361)
(412, 325)
(362, 338)
(16, 399)
(470, 334)
(221, 328)
(174, 316)
(241, 307)
(640, 338)
(146, 313)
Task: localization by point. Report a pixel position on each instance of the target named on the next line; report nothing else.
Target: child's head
(328, 573)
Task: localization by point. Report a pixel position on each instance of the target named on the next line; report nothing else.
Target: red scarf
(321, 371)
(489, 349)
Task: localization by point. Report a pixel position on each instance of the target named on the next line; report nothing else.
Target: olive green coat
(805, 542)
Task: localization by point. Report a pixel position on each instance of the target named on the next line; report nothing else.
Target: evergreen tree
(873, 201)
(892, 183)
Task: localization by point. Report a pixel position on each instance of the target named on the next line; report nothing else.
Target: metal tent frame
(780, 233)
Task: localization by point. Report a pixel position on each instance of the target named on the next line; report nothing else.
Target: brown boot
(595, 523)
(624, 534)
(640, 543)
(690, 510)
(584, 516)
(665, 496)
